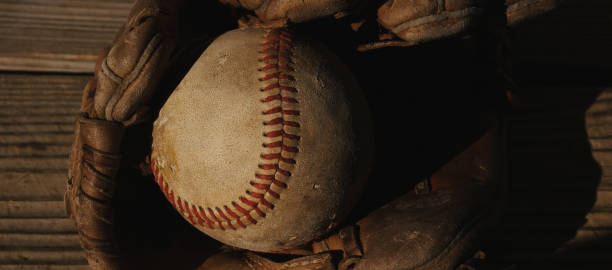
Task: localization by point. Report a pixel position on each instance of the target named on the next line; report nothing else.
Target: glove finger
(423, 20)
(294, 10)
(138, 116)
(149, 36)
(140, 89)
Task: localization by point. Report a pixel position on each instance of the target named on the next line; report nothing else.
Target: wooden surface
(559, 214)
(37, 114)
(57, 35)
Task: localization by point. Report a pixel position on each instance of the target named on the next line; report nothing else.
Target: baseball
(266, 143)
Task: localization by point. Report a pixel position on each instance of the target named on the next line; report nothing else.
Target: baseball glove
(131, 77)
(124, 221)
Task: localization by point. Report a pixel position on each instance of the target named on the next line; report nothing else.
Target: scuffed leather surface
(436, 229)
(519, 11)
(246, 260)
(409, 22)
(95, 160)
(128, 73)
(295, 11)
(395, 12)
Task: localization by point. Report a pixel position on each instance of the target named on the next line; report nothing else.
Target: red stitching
(203, 214)
(248, 202)
(279, 183)
(277, 156)
(278, 86)
(276, 55)
(268, 177)
(195, 212)
(267, 166)
(229, 222)
(289, 148)
(281, 133)
(265, 203)
(190, 217)
(278, 76)
(279, 97)
(259, 212)
(274, 194)
(280, 120)
(283, 172)
(212, 214)
(171, 197)
(260, 186)
(280, 109)
(246, 213)
(180, 204)
(255, 194)
(235, 216)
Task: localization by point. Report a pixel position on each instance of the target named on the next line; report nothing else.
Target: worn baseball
(265, 144)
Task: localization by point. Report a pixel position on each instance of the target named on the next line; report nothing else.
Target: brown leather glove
(128, 86)
(408, 22)
(294, 11)
(132, 77)
(246, 260)
(437, 226)
(418, 21)
(95, 160)
(128, 73)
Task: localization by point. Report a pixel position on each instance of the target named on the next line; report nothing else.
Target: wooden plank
(37, 225)
(23, 163)
(604, 158)
(587, 238)
(57, 35)
(560, 181)
(32, 186)
(36, 149)
(44, 267)
(603, 202)
(33, 102)
(36, 127)
(37, 114)
(32, 209)
(13, 241)
(42, 257)
(11, 120)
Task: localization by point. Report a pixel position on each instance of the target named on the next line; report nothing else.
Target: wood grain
(42, 257)
(36, 225)
(57, 35)
(37, 114)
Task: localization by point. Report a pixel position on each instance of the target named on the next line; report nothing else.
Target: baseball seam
(281, 129)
